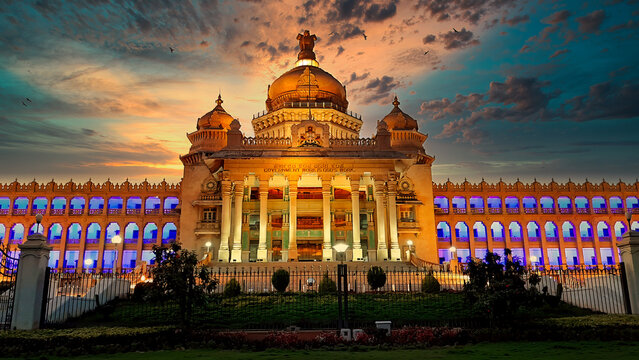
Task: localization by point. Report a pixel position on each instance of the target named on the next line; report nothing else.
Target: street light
(117, 239)
(533, 259)
(87, 263)
(208, 247)
(342, 285)
(453, 257)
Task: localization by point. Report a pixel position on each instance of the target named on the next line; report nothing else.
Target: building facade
(307, 181)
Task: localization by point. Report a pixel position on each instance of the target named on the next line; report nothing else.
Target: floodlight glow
(341, 247)
(116, 239)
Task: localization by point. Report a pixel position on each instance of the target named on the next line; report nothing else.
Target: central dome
(307, 82)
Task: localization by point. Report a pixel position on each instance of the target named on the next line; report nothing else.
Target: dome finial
(219, 100)
(395, 101)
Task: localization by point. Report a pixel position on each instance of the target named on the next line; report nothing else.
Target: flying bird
(455, 30)
(29, 100)
(426, 52)
(170, 48)
(24, 103)
(364, 36)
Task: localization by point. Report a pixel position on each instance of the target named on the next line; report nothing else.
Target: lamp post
(117, 240)
(533, 260)
(87, 264)
(453, 257)
(342, 284)
(208, 247)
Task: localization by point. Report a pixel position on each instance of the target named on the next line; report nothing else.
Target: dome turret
(399, 120)
(217, 118)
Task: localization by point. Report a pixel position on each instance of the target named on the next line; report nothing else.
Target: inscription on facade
(312, 168)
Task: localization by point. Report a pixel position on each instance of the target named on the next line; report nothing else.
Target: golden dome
(398, 120)
(298, 83)
(217, 118)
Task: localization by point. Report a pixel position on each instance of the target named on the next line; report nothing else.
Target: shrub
(327, 285)
(376, 277)
(142, 291)
(430, 285)
(280, 280)
(232, 288)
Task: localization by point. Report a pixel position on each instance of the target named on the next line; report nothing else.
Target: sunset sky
(522, 89)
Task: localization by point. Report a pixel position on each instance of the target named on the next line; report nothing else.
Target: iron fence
(88, 299)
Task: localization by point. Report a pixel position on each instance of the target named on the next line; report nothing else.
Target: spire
(219, 100)
(396, 102)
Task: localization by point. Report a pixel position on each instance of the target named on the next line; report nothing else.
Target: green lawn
(306, 310)
(523, 350)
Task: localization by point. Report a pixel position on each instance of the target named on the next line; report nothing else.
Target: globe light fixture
(88, 262)
(117, 239)
(409, 242)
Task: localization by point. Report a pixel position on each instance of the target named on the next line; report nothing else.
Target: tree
(376, 277)
(280, 280)
(177, 276)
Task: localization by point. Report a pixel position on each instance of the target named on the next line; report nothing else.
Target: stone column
(357, 242)
(236, 252)
(34, 258)
(327, 253)
(395, 252)
(291, 252)
(629, 247)
(382, 250)
(223, 252)
(262, 252)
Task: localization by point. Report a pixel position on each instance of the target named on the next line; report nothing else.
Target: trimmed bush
(376, 277)
(280, 280)
(142, 291)
(232, 288)
(327, 285)
(430, 285)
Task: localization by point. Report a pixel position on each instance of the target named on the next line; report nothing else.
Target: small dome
(398, 120)
(217, 118)
(294, 86)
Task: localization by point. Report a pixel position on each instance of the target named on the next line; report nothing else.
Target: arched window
(461, 231)
(169, 233)
(76, 206)
(152, 205)
(479, 231)
(603, 231)
(35, 229)
(533, 231)
(568, 231)
(616, 205)
(133, 205)
(565, 205)
(634, 226)
(476, 205)
(112, 230)
(443, 231)
(632, 203)
(441, 205)
(3, 231)
(512, 205)
(581, 204)
(131, 233)
(55, 233)
(585, 231)
(39, 206)
(494, 205)
(599, 205)
(74, 233)
(497, 231)
(96, 205)
(530, 205)
(93, 233)
(150, 233)
(115, 204)
(5, 205)
(515, 231)
(170, 203)
(547, 205)
(620, 229)
(551, 231)
(17, 234)
(20, 206)
(58, 206)
(459, 205)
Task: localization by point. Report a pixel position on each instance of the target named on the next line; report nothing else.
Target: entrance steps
(310, 266)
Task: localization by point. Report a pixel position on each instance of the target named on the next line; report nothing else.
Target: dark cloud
(591, 22)
(347, 10)
(557, 53)
(429, 39)
(340, 50)
(515, 20)
(557, 17)
(604, 101)
(354, 77)
(347, 31)
(378, 89)
(467, 10)
(456, 40)
(377, 12)
(515, 100)
(204, 43)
